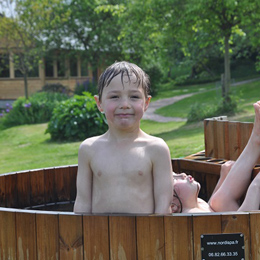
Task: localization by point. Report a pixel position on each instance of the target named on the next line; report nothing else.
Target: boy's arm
(162, 176)
(83, 202)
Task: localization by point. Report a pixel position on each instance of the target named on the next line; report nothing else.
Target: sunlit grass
(27, 147)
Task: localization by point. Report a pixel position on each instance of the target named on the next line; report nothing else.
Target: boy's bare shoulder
(91, 142)
(156, 142)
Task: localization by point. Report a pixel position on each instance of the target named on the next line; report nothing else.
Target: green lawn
(27, 147)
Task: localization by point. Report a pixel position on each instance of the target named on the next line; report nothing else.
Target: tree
(219, 21)
(24, 31)
(21, 45)
(83, 29)
(191, 25)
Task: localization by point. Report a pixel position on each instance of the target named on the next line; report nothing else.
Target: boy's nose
(124, 103)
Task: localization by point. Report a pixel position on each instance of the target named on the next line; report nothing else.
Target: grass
(27, 147)
(209, 95)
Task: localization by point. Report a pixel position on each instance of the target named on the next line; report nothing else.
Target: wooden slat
(122, 237)
(47, 236)
(23, 189)
(209, 137)
(204, 224)
(245, 132)
(201, 178)
(238, 223)
(226, 140)
(211, 182)
(178, 235)
(26, 235)
(62, 183)
(7, 234)
(234, 141)
(49, 180)
(96, 237)
(255, 235)
(71, 239)
(73, 178)
(37, 187)
(10, 190)
(150, 237)
(175, 165)
(200, 166)
(220, 138)
(2, 190)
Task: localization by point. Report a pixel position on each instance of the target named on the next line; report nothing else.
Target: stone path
(153, 106)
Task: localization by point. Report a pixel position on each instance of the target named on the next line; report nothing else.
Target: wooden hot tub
(37, 222)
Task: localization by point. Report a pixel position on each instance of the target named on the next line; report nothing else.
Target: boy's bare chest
(127, 160)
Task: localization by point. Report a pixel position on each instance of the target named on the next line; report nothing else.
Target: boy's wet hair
(125, 69)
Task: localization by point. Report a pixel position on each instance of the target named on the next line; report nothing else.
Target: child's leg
(224, 170)
(235, 185)
(252, 199)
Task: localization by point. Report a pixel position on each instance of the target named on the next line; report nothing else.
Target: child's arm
(237, 181)
(162, 175)
(83, 202)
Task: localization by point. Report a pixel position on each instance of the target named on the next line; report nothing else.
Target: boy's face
(123, 104)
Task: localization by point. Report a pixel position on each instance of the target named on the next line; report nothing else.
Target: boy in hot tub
(125, 170)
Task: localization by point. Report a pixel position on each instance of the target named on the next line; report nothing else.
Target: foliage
(15, 36)
(76, 119)
(199, 112)
(227, 108)
(78, 25)
(167, 31)
(37, 109)
(55, 88)
(156, 76)
(85, 86)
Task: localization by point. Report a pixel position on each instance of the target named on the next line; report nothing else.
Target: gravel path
(153, 106)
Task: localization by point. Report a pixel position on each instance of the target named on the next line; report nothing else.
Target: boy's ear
(96, 97)
(147, 101)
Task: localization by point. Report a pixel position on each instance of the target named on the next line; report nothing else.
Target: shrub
(156, 76)
(228, 107)
(86, 86)
(37, 109)
(199, 112)
(76, 119)
(56, 88)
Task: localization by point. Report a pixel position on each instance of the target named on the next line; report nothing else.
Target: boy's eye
(113, 97)
(135, 97)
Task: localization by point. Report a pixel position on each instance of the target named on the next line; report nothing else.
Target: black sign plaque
(222, 246)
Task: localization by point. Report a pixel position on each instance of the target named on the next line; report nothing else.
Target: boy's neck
(119, 136)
